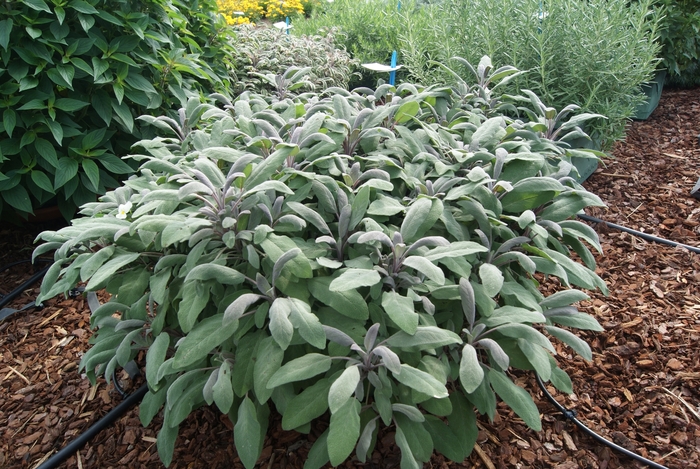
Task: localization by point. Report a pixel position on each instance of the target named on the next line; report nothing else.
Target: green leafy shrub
(73, 77)
(680, 40)
(261, 52)
(373, 257)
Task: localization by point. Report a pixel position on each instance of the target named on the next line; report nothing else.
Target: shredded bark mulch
(642, 389)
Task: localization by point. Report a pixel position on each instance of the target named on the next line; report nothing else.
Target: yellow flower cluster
(248, 11)
(278, 10)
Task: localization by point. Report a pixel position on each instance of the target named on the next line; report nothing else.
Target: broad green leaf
(385, 206)
(9, 119)
(491, 278)
(311, 403)
(34, 104)
(407, 459)
(5, 30)
(462, 421)
(222, 391)
(579, 321)
(490, 132)
(166, 443)
(318, 454)
(299, 369)
(344, 431)
(92, 172)
(83, 7)
(310, 216)
(421, 381)
(400, 310)
(107, 270)
(65, 171)
(263, 171)
(538, 358)
(420, 217)
(220, 273)
(201, 340)
(70, 105)
(406, 112)
(563, 298)
(18, 197)
(352, 279)
(445, 439)
(269, 360)
(38, 5)
(281, 327)
(409, 411)
(471, 374)
(151, 404)
(365, 440)
(512, 314)
(389, 358)
(281, 261)
(522, 331)
(425, 338)
(359, 207)
(418, 438)
(47, 151)
(427, 268)
(561, 380)
(155, 356)
(579, 345)
(457, 249)
(239, 306)
(123, 112)
(530, 193)
(246, 434)
(310, 328)
(517, 399)
(343, 388)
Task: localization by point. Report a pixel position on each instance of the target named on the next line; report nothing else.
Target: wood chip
(484, 457)
(50, 318)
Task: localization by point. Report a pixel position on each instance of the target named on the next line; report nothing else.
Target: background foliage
(594, 54)
(73, 77)
(680, 40)
(373, 257)
(262, 54)
(369, 31)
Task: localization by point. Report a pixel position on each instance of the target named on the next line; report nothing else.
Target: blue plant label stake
(286, 24)
(392, 74)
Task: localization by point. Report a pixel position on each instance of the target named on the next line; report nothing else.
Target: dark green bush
(73, 77)
(680, 40)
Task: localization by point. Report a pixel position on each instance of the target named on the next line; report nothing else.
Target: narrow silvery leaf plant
(368, 258)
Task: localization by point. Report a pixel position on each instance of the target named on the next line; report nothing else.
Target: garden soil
(642, 389)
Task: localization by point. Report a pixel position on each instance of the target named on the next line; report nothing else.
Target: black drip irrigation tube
(648, 237)
(113, 415)
(6, 312)
(571, 415)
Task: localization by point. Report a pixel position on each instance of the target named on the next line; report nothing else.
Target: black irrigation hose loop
(646, 236)
(17, 291)
(12, 264)
(117, 386)
(571, 415)
(111, 417)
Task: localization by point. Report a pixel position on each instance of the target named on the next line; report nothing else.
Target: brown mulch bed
(642, 389)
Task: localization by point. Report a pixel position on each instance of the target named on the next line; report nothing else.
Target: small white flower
(124, 209)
